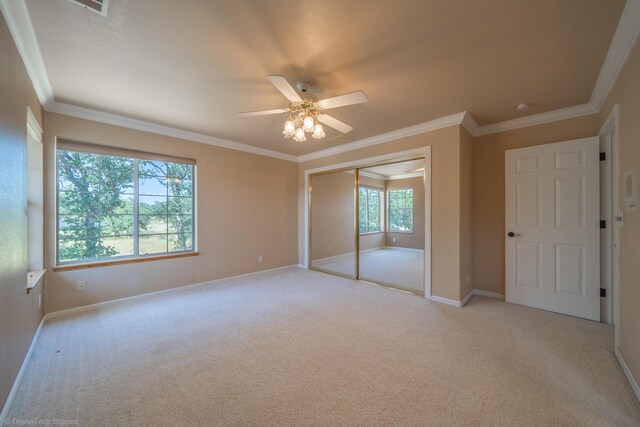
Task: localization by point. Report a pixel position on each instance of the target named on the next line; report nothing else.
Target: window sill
(121, 261)
(371, 232)
(33, 277)
(400, 232)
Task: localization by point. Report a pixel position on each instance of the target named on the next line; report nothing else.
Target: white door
(553, 227)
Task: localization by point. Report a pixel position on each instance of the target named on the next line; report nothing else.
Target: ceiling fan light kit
(305, 115)
(303, 119)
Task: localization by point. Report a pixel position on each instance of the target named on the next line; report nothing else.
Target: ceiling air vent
(98, 6)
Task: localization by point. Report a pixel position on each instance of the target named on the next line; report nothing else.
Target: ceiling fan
(306, 115)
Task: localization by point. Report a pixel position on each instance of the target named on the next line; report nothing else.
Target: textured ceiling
(194, 64)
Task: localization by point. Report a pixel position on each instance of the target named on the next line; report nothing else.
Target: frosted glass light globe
(308, 123)
(318, 131)
(299, 135)
(289, 129)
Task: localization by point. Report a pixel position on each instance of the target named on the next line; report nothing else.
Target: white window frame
(136, 157)
(389, 191)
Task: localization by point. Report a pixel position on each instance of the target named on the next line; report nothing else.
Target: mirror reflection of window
(371, 211)
(391, 225)
(401, 210)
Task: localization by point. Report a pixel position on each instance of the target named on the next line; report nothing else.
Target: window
(401, 210)
(369, 204)
(119, 204)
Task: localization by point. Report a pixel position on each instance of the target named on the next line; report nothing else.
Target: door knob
(512, 234)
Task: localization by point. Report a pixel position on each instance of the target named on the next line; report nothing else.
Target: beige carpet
(399, 267)
(297, 347)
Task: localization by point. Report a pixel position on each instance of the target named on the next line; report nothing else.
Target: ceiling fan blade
(262, 113)
(334, 123)
(283, 86)
(357, 97)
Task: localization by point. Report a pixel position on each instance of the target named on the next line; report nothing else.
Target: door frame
(611, 127)
(372, 161)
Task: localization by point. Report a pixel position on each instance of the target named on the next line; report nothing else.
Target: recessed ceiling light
(523, 106)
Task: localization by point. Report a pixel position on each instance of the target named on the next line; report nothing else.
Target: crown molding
(621, 46)
(537, 119)
(429, 126)
(126, 122)
(469, 123)
(19, 22)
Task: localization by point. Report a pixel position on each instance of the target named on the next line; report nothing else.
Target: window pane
(152, 224)
(179, 170)
(78, 226)
(78, 249)
(150, 167)
(84, 249)
(125, 207)
(153, 244)
(152, 185)
(77, 171)
(180, 187)
(180, 223)
(116, 175)
(180, 205)
(180, 242)
(118, 246)
(152, 205)
(116, 225)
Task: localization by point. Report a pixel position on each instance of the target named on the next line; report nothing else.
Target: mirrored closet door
(332, 225)
(369, 224)
(391, 225)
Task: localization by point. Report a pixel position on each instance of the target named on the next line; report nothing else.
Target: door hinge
(603, 223)
(603, 157)
(603, 293)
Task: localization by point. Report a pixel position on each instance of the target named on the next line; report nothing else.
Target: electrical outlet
(82, 285)
(394, 240)
(260, 259)
(39, 300)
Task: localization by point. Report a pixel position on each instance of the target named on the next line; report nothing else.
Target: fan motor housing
(303, 87)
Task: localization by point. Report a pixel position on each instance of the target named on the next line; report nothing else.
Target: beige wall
(626, 93)
(466, 212)
(19, 312)
(415, 239)
(445, 212)
(488, 219)
(246, 207)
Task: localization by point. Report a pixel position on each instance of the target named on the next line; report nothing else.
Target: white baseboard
(18, 379)
(466, 299)
(80, 309)
(627, 372)
(448, 301)
(488, 294)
